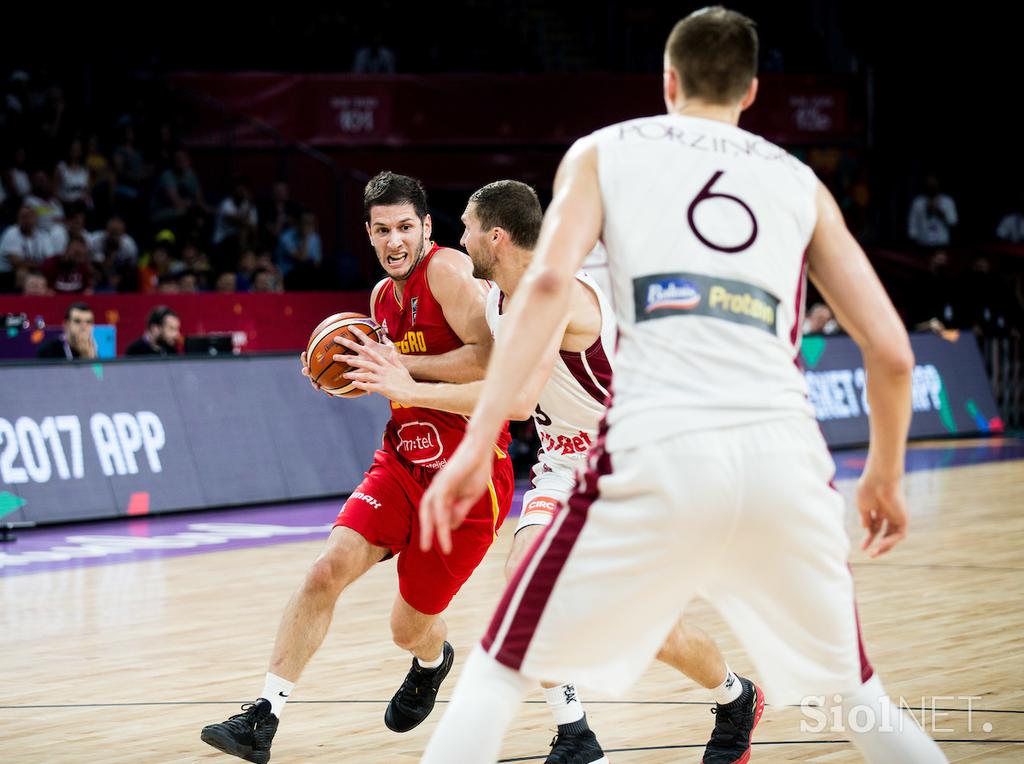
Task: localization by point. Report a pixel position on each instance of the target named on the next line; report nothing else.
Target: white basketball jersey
(572, 402)
(706, 228)
(595, 265)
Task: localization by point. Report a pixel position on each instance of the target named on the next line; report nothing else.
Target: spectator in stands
(95, 162)
(247, 267)
(299, 254)
(71, 271)
(178, 195)
(1011, 226)
(34, 284)
(49, 210)
(375, 58)
(114, 241)
(77, 340)
(278, 213)
(196, 261)
(227, 282)
(163, 331)
(74, 225)
(21, 245)
(14, 185)
(932, 216)
(819, 320)
(124, 180)
(188, 282)
(237, 222)
(264, 280)
(126, 158)
(158, 263)
(169, 284)
(18, 172)
(72, 176)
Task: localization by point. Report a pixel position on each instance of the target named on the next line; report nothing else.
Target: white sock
(894, 737)
(432, 664)
(483, 705)
(729, 690)
(277, 690)
(564, 705)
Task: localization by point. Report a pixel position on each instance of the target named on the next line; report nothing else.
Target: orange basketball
(323, 369)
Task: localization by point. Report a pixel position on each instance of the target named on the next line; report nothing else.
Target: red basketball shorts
(384, 509)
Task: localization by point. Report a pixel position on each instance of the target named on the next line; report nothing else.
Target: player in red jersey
(433, 310)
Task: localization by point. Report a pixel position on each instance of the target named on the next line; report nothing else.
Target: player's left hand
(883, 512)
(378, 369)
(453, 492)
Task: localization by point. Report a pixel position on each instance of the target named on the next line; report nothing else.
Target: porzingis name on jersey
(690, 138)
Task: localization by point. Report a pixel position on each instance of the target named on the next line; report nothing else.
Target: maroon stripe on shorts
(599, 366)
(566, 528)
(866, 669)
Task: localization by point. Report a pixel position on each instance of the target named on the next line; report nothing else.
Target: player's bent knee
(332, 571)
(407, 635)
(324, 577)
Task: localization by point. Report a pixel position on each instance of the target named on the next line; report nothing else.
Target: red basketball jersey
(416, 324)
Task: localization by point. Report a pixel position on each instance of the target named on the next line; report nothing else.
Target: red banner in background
(438, 110)
(259, 322)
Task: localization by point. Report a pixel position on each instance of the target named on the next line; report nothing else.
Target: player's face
(398, 237)
(477, 244)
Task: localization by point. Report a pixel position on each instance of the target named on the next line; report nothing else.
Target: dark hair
(76, 306)
(390, 188)
(511, 205)
(158, 314)
(714, 51)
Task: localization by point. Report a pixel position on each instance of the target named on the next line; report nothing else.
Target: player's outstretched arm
(843, 274)
(463, 300)
(378, 368)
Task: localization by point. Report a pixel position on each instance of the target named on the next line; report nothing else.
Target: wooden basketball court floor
(124, 662)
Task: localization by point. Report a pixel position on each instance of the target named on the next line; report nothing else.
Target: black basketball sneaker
(246, 735)
(415, 698)
(734, 726)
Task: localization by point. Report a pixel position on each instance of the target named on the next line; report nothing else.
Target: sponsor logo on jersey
(692, 294)
(742, 303)
(672, 294)
(412, 342)
(420, 442)
(414, 305)
(360, 496)
(566, 445)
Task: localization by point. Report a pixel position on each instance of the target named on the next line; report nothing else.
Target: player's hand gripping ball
(323, 369)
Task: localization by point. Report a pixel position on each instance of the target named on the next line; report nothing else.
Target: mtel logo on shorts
(946, 714)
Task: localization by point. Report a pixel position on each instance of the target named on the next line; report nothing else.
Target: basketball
(323, 369)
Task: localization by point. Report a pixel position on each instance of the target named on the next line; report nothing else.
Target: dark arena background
(158, 509)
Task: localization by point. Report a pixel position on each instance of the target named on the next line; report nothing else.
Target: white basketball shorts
(745, 517)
